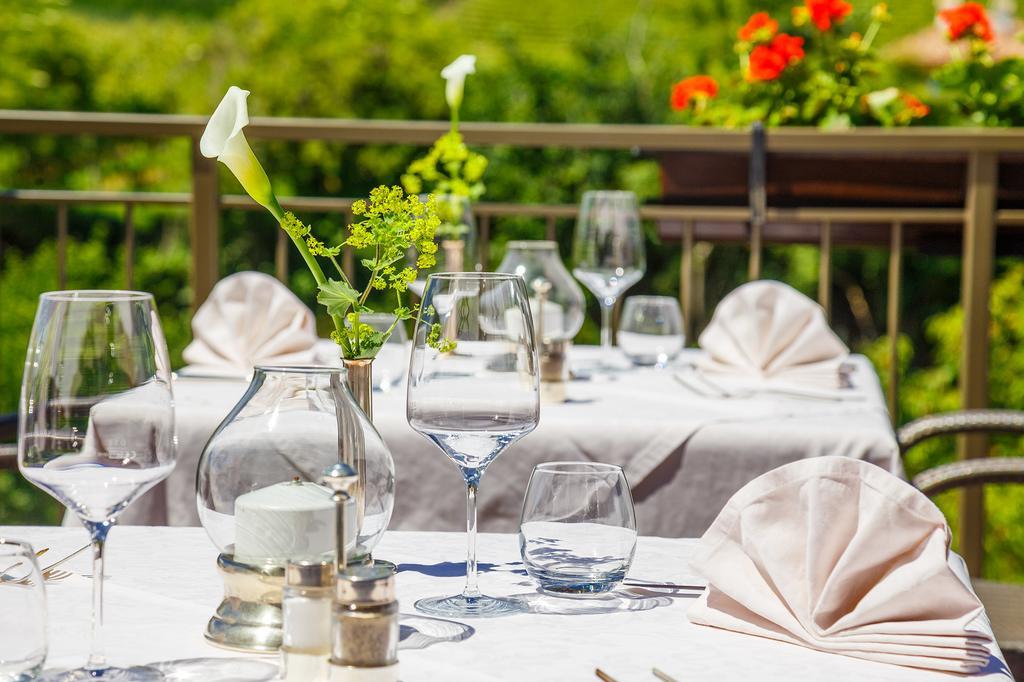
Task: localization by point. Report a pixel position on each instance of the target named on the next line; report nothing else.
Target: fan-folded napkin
(838, 555)
(250, 319)
(769, 331)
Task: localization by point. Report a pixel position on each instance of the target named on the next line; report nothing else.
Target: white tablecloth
(684, 454)
(162, 587)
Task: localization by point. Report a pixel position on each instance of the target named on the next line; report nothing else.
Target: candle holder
(249, 617)
(260, 498)
(557, 305)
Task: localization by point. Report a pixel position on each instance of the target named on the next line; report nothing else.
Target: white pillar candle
(292, 520)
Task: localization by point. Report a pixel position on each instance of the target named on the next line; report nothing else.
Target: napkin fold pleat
(766, 330)
(249, 319)
(836, 554)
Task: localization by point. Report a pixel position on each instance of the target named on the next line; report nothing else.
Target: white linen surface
(162, 586)
(684, 454)
(840, 556)
(249, 319)
(770, 332)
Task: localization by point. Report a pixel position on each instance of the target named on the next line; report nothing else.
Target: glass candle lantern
(556, 300)
(259, 499)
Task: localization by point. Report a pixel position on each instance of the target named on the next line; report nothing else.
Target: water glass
(577, 532)
(651, 330)
(22, 613)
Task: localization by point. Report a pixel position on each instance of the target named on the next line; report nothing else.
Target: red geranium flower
(767, 62)
(760, 27)
(916, 107)
(692, 89)
(969, 18)
(824, 12)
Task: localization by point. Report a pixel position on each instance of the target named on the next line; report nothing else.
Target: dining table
(162, 586)
(685, 444)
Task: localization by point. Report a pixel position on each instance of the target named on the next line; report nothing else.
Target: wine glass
(473, 391)
(608, 250)
(96, 421)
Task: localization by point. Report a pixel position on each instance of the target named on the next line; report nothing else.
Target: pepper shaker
(306, 602)
(340, 478)
(364, 635)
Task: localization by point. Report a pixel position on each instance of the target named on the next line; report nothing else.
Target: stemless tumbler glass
(22, 613)
(577, 533)
(473, 391)
(651, 330)
(96, 421)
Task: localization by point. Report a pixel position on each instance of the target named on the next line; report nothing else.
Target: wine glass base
(459, 606)
(139, 673)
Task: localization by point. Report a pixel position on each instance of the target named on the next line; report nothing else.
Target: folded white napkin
(249, 319)
(767, 330)
(838, 555)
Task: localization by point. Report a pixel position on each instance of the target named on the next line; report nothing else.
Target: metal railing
(981, 148)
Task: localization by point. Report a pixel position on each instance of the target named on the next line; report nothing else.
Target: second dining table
(684, 451)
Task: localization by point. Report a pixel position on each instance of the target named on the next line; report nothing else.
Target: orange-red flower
(760, 27)
(824, 12)
(914, 106)
(693, 89)
(969, 18)
(767, 62)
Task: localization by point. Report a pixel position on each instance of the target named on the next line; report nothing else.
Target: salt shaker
(306, 609)
(364, 635)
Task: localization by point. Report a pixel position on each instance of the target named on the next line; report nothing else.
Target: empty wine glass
(651, 330)
(577, 532)
(608, 250)
(392, 361)
(23, 605)
(96, 421)
(473, 391)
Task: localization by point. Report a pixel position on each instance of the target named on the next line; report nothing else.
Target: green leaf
(337, 297)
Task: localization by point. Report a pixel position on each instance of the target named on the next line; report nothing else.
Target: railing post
(978, 253)
(825, 269)
(62, 245)
(892, 326)
(758, 199)
(686, 280)
(129, 245)
(204, 230)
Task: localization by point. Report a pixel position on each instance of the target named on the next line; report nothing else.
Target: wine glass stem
(607, 306)
(97, 658)
(471, 589)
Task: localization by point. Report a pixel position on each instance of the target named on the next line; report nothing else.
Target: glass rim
(95, 295)
(651, 298)
(300, 369)
(575, 468)
(609, 193)
(532, 244)
(24, 545)
(480, 276)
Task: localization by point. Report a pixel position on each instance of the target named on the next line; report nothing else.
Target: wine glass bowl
(608, 250)
(96, 419)
(473, 390)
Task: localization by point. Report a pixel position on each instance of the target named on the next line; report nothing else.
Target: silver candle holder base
(249, 618)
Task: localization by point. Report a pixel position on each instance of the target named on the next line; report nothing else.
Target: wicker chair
(1004, 602)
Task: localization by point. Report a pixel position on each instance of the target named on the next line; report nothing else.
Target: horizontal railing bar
(500, 209)
(576, 135)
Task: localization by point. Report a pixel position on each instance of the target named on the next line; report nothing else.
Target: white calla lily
(455, 73)
(225, 141)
